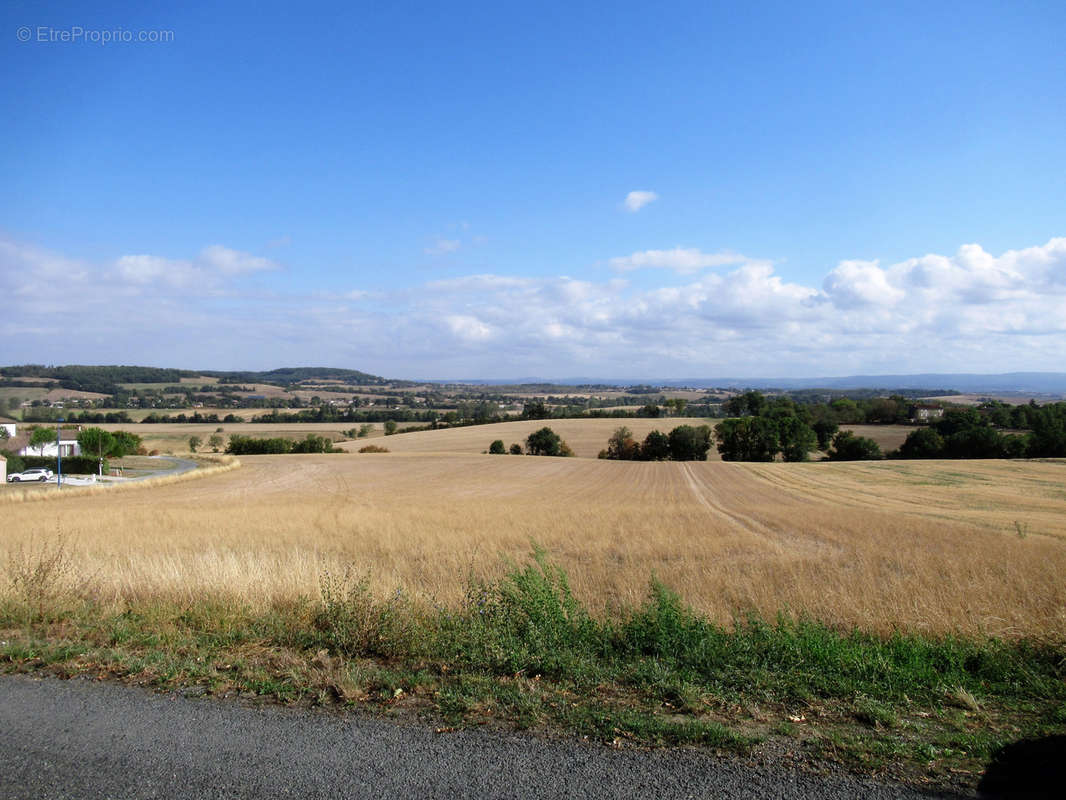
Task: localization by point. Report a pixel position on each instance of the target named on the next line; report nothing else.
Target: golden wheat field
(932, 546)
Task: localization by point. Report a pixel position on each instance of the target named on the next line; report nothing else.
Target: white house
(20, 445)
(68, 446)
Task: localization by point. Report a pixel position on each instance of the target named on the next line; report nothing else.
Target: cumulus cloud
(636, 200)
(968, 311)
(681, 260)
(233, 262)
(860, 283)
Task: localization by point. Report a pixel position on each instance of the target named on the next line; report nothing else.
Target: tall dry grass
(971, 547)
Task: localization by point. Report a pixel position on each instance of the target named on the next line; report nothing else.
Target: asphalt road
(80, 739)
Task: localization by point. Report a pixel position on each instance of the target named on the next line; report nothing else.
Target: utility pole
(59, 453)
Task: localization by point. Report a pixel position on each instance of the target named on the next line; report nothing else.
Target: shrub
(373, 448)
(656, 447)
(922, 443)
(80, 465)
(849, 447)
(497, 448)
(353, 623)
(516, 449)
(690, 444)
(14, 462)
(622, 446)
(544, 442)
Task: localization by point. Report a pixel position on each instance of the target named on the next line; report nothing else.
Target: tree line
(683, 443)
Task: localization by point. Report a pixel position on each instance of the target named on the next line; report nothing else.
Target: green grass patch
(523, 652)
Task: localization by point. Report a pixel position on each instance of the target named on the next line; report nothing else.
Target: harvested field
(888, 437)
(586, 437)
(931, 546)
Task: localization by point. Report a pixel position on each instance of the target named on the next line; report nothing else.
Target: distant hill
(1034, 382)
(106, 379)
(285, 376)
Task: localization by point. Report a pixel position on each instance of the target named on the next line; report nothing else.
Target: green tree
(497, 448)
(656, 447)
(847, 411)
(796, 439)
(824, 428)
(536, 410)
(982, 442)
(544, 442)
(1048, 439)
(622, 446)
(390, 427)
(958, 419)
(215, 442)
(688, 443)
(40, 437)
(516, 449)
(849, 447)
(194, 442)
(922, 443)
(96, 442)
(751, 403)
(125, 443)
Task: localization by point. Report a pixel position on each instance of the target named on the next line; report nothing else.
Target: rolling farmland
(935, 546)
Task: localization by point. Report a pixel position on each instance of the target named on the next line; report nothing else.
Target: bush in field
(622, 446)
(688, 443)
(795, 438)
(373, 448)
(497, 448)
(194, 442)
(544, 442)
(246, 445)
(390, 427)
(516, 449)
(656, 447)
(313, 444)
(849, 447)
(922, 443)
(125, 443)
(748, 439)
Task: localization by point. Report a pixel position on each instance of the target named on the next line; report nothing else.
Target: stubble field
(935, 547)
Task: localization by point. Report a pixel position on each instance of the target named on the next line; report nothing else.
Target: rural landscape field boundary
(218, 465)
(523, 652)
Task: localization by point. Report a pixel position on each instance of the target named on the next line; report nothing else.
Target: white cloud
(681, 260)
(969, 311)
(635, 201)
(233, 262)
(860, 283)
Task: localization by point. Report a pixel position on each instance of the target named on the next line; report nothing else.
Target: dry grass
(928, 546)
(214, 466)
(888, 437)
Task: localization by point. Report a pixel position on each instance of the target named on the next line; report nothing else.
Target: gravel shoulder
(87, 739)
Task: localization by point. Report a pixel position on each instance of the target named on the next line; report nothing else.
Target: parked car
(36, 474)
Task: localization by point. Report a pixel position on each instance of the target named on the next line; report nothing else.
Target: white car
(36, 474)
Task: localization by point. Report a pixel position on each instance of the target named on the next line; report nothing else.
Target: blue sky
(426, 190)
